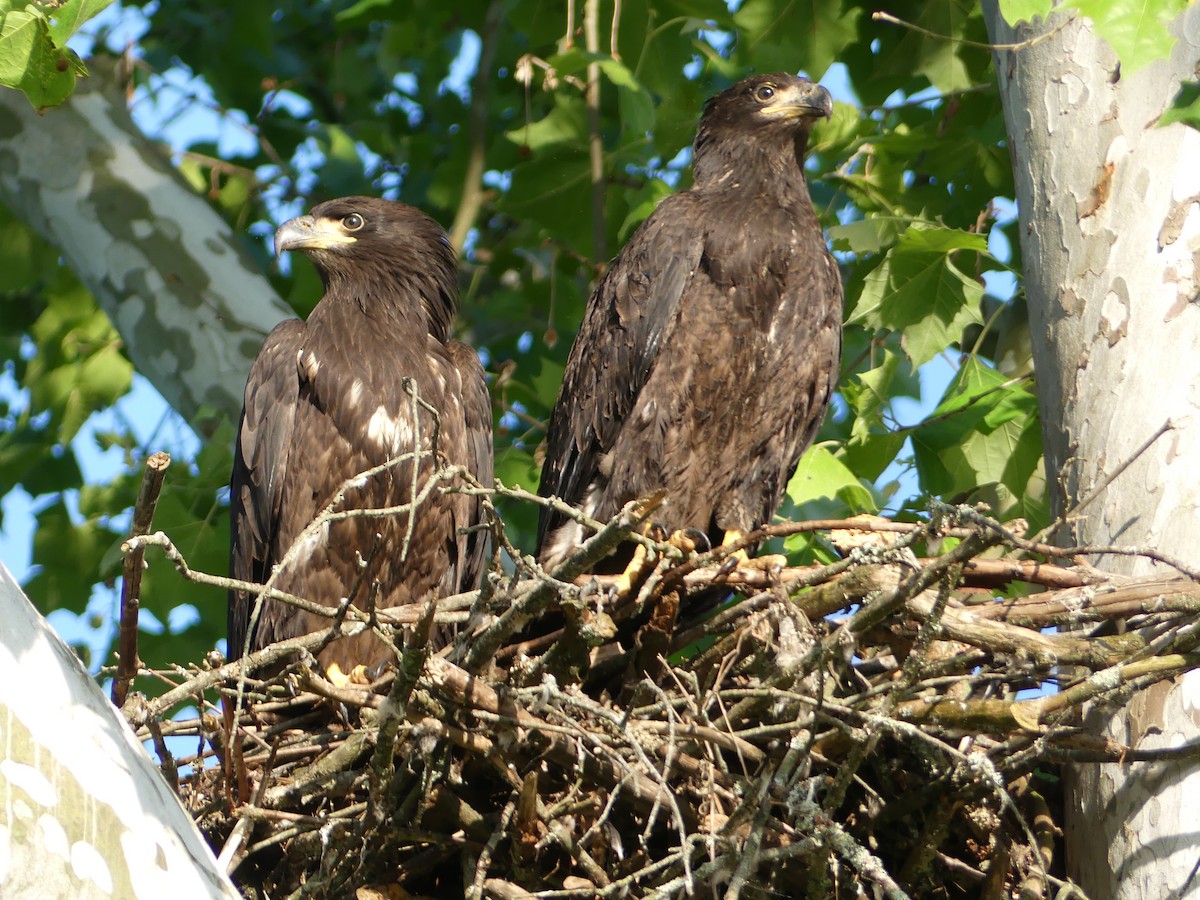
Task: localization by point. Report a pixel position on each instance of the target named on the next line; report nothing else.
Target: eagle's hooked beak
(310, 233)
(806, 100)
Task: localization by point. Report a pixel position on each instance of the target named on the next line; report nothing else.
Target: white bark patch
(1114, 313)
(31, 781)
(5, 852)
(89, 865)
(77, 792)
(1189, 694)
(53, 836)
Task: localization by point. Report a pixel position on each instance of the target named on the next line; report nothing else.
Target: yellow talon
(633, 572)
(358, 675)
(769, 562)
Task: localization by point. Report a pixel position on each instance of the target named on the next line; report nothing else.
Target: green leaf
(31, 62)
(1015, 11)
(868, 393)
(869, 235)
(1137, 30)
(68, 18)
(80, 367)
(984, 432)
(68, 554)
(871, 447)
(822, 475)
(782, 35)
(566, 124)
(869, 454)
(919, 290)
(1185, 107)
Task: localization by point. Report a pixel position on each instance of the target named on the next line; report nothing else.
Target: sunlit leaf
(919, 290)
(1135, 29)
(821, 474)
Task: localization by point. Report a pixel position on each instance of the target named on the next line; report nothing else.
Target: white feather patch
(389, 432)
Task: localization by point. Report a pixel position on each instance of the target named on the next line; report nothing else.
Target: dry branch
(131, 581)
(863, 727)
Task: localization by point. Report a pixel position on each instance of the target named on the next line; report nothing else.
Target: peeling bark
(191, 305)
(1110, 235)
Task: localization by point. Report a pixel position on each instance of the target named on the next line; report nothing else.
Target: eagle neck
(767, 168)
(398, 294)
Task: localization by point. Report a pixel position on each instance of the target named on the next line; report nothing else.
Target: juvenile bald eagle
(326, 400)
(708, 352)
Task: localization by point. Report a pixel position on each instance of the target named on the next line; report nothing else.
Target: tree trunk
(192, 306)
(83, 812)
(1110, 235)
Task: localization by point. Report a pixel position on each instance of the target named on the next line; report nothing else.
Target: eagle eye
(353, 222)
(763, 93)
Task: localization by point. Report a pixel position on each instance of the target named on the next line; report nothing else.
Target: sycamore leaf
(868, 235)
(1137, 30)
(68, 18)
(919, 290)
(32, 59)
(822, 475)
(985, 431)
(868, 393)
(565, 124)
(1016, 11)
(784, 35)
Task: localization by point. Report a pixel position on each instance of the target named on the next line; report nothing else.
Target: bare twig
(131, 583)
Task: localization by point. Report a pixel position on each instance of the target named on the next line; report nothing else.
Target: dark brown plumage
(325, 401)
(708, 353)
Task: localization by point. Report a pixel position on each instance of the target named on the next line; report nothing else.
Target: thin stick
(131, 582)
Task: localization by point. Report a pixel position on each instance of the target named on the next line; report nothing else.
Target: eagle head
(760, 125)
(377, 252)
(775, 101)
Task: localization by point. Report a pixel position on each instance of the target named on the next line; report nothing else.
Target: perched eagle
(332, 397)
(708, 352)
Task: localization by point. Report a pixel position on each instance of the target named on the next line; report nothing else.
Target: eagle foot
(357, 675)
(641, 563)
(633, 572)
(690, 540)
(740, 559)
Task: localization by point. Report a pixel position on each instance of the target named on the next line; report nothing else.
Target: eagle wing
(630, 315)
(477, 416)
(260, 464)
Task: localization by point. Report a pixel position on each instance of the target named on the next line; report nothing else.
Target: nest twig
(887, 725)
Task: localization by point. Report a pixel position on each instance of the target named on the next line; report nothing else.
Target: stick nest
(876, 727)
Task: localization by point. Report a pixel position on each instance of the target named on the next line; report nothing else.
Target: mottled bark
(83, 812)
(1110, 235)
(192, 307)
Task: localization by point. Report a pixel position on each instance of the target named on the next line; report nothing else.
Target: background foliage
(269, 110)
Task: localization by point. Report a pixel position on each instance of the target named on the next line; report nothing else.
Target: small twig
(880, 16)
(131, 583)
(475, 891)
